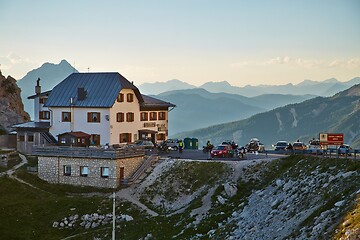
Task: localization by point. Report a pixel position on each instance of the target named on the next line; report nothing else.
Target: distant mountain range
(50, 75)
(160, 87)
(338, 114)
(198, 108)
(320, 88)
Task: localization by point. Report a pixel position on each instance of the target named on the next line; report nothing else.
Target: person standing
(181, 146)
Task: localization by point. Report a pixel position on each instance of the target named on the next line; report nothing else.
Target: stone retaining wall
(51, 169)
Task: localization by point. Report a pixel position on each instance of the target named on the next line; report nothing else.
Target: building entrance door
(122, 173)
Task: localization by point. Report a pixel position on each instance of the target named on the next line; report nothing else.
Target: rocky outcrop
(11, 106)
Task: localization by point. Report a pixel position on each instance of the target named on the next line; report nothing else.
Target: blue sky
(243, 42)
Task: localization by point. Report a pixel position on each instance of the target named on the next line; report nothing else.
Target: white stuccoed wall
(124, 127)
(79, 118)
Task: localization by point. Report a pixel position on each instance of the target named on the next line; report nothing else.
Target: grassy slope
(28, 214)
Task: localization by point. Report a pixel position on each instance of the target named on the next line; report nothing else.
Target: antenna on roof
(88, 69)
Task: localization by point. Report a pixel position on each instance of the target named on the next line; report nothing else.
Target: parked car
(315, 147)
(344, 149)
(145, 143)
(281, 146)
(222, 151)
(173, 144)
(255, 146)
(299, 146)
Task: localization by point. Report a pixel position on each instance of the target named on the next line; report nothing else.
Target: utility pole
(114, 218)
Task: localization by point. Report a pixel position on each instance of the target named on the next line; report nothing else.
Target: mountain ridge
(50, 75)
(303, 121)
(325, 88)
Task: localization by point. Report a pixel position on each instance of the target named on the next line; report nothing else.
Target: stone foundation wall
(129, 166)
(51, 169)
(48, 169)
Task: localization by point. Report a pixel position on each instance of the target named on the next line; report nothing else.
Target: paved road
(199, 155)
(271, 154)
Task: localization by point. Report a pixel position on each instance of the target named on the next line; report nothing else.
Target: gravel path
(11, 171)
(128, 194)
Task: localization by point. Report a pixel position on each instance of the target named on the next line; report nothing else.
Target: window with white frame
(105, 172)
(67, 170)
(84, 171)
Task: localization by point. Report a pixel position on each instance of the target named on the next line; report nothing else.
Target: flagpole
(114, 218)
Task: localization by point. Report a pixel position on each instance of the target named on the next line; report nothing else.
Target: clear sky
(196, 41)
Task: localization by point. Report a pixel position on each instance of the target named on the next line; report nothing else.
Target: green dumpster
(195, 143)
(187, 143)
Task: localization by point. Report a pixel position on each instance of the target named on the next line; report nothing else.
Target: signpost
(331, 138)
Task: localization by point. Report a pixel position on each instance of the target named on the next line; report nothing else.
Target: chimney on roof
(81, 94)
(38, 87)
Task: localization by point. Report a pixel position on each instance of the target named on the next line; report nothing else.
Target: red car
(222, 151)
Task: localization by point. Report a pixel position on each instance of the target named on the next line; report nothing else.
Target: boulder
(279, 182)
(339, 203)
(94, 225)
(221, 200)
(230, 189)
(128, 218)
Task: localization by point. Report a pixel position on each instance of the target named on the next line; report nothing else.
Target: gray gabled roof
(47, 93)
(101, 89)
(154, 102)
(33, 125)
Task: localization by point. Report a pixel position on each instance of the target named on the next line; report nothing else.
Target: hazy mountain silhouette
(205, 108)
(339, 113)
(319, 88)
(160, 87)
(50, 74)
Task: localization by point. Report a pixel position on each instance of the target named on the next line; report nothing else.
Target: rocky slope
(11, 106)
(296, 197)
